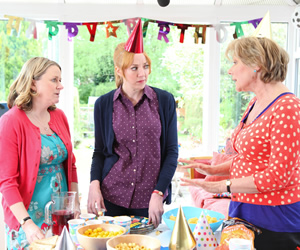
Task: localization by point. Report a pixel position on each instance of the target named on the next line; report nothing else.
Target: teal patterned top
(51, 179)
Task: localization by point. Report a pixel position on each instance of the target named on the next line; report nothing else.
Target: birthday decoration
(262, 28)
(92, 27)
(164, 30)
(134, 43)
(219, 29)
(111, 30)
(72, 30)
(182, 237)
(53, 28)
(31, 30)
(13, 22)
(204, 235)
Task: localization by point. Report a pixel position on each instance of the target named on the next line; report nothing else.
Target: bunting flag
(262, 27)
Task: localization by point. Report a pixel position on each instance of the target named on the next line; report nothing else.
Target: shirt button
(134, 170)
(133, 140)
(132, 184)
(132, 126)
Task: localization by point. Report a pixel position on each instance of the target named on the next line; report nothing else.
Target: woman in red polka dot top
(264, 175)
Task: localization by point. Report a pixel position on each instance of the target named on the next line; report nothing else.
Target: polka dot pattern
(137, 130)
(203, 234)
(268, 149)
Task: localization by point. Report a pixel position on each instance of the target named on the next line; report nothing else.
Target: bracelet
(158, 192)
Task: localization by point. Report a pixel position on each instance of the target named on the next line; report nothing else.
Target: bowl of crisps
(94, 237)
(133, 241)
(192, 214)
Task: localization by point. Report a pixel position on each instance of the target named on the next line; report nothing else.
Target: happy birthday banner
(111, 28)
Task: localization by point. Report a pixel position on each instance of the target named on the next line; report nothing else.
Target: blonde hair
(123, 59)
(263, 53)
(20, 92)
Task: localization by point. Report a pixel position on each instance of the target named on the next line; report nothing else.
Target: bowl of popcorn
(133, 242)
(94, 237)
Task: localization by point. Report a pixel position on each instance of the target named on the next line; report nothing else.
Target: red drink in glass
(60, 219)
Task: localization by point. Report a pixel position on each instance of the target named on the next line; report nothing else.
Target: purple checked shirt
(137, 129)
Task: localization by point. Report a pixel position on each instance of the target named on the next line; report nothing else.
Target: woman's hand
(209, 186)
(95, 198)
(201, 168)
(32, 231)
(156, 209)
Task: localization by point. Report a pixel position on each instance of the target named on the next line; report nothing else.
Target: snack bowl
(193, 212)
(92, 243)
(141, 240)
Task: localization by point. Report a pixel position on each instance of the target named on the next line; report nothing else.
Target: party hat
(134, 43)
(64, 241)
(203, 234)
(182, 237)
(264, 27)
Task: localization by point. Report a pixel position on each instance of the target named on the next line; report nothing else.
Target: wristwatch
(22, 222)
(228, 184)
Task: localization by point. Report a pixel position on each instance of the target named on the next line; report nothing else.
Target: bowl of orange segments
(94, 237)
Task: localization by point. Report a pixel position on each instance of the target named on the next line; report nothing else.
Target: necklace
(40, 124)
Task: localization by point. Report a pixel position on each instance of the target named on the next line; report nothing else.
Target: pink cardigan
(20, 147)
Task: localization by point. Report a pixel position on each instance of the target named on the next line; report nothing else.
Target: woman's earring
(255, 71)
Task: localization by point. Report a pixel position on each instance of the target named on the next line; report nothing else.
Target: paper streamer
(111, 30)
(238, 29)
(53, 28)
(219, 29)
(130, 24)
(92, 27)
(182, 27)
(164, 30)
(13, 23)
(72, 30)
(255, 22)
(202, 35)
(145, 26)
(31, 30)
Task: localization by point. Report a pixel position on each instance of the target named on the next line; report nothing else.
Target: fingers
(188, 182)
(155, 220)
(38, 235)
(194, 165)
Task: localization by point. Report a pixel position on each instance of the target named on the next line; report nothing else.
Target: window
(15, 50)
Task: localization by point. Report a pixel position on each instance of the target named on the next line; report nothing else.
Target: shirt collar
(147, 91)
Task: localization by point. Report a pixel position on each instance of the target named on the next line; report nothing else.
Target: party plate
(139, 225)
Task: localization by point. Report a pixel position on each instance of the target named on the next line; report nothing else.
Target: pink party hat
(134, 43)
(204, 236)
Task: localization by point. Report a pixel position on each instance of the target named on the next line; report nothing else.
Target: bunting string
(111, 28)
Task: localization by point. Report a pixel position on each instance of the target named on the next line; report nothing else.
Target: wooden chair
(201, 159)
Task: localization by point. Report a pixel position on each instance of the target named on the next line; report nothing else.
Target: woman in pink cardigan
(36, 152)
(264, 175)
